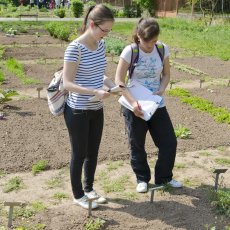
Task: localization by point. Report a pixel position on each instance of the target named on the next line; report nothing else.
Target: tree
(147, 5)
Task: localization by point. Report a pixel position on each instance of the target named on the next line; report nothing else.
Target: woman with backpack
(152, 71)
(83, 77)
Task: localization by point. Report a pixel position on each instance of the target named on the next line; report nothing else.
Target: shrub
(132, 11)
(77, 8)
(60, 12)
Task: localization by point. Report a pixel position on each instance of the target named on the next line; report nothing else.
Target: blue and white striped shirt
(90, 73)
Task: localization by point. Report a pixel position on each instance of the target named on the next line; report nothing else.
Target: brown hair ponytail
(146, 29)
(99, 14)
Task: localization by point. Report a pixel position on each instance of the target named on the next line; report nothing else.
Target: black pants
(162, 133)
(85, 131)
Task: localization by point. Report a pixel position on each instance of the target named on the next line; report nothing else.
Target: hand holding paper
(147, 101)
(115, 89)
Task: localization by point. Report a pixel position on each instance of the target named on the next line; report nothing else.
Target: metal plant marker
(152, 191)
(11, 205)
(39, 89)
(90, 200)
(218, 172)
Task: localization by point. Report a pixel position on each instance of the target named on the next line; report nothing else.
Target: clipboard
(147, 100)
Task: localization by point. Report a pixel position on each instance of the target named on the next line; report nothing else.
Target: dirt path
(186, 208)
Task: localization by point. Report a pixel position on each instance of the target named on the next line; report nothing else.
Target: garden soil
(29, 133)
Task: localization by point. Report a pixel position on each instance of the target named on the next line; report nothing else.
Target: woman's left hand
(159, 92)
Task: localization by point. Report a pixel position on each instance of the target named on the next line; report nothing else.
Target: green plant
(23, 212)
(5, 95)
(94, 224)
(77, 8)
(11, 32)
(220, 114)
(221, 200)
(14, 183)
(182, 132)
(39, 166)
(60, 12)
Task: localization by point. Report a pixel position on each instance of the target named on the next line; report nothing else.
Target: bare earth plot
(30, 133)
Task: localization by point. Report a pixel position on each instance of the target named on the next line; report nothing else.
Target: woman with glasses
(153, 73)
(83, 116)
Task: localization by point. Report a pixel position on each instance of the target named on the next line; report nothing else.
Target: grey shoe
(93, 194)
(84, 203)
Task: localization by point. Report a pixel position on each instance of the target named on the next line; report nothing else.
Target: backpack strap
(134, 58)
(161, 50)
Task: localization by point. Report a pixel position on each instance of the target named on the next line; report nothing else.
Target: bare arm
(165, 77)
(69, 73)
(121, 72)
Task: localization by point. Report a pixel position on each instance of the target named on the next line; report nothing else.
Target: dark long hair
(99, 14)
(146, 29)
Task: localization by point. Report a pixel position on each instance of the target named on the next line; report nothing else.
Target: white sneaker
(175, 184)
(142, 187)
(93, 194)
(84, 203)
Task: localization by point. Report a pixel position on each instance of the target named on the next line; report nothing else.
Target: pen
(138, 105)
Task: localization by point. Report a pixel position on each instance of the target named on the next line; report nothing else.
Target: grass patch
(14, 67)
(129, 195)
(205, 154)
(221, 148)
(38, 206)
(190, 183)
(117, 185)
(55, 182)
(39, 167)
(2, 77)
(60, 196)
(113, 165)
(179, 166)
(14, 183)
(223, 161)
(2, 173)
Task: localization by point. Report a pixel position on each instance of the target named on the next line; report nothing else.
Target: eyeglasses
(104, 31)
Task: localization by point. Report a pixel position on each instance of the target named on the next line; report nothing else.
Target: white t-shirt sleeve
(126, 53)
(167, 53)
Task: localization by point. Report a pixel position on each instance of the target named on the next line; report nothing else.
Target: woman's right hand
(137, 109)
(101, 94)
